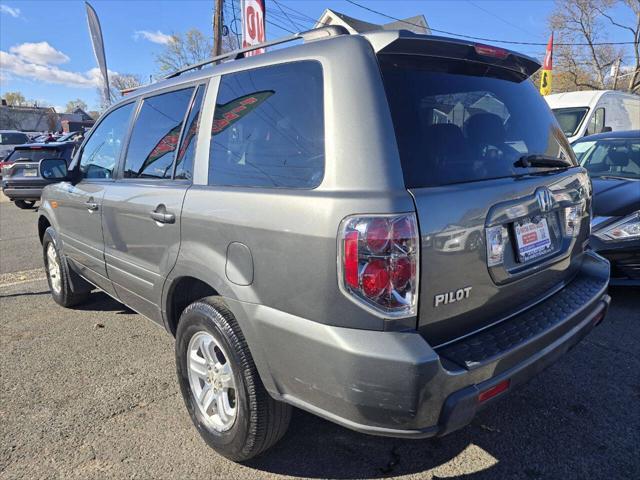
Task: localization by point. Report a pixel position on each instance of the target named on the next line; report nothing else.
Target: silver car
(280, 215)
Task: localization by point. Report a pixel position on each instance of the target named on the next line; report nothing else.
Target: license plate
(533, 239)
(30, 172)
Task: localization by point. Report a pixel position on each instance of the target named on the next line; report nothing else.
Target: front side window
(596, 124)
(101, 152)
(268, 128)
(156, 134)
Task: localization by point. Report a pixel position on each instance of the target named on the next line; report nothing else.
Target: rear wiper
(536, 160)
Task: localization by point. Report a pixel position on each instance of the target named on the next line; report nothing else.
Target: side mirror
(54, 169)
(607, 129)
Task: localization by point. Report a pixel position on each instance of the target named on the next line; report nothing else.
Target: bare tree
(184, 50)
(73, 104)
(15, 99)
(118, 83)
(582, 26)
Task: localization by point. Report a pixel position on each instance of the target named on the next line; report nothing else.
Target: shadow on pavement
(100, 301)
(25, 294)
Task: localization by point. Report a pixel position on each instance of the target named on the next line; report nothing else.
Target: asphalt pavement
(91, 392)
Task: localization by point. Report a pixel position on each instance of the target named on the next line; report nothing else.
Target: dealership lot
(91, 393)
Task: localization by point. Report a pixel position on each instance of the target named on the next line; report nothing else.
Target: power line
(513, 42)
(297, 27)
(507, 22)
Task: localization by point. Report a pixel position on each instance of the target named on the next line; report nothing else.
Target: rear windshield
(570, 119)
(610, 157)
(34, 155)
(458, 121)
(10, 138)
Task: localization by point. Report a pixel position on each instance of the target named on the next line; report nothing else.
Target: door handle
(91, 205)
(160, 215)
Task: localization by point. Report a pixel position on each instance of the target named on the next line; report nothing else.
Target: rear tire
(254, 421)
(25, 204)
(67, 288)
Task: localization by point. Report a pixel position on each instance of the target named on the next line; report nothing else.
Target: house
(28, 119)
(76, 120)
(417, 24)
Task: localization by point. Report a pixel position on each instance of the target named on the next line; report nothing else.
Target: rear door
(141, 210)
(79, 210)
(496, 235)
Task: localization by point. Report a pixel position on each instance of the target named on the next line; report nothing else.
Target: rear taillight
(378, 263)
(573, 219)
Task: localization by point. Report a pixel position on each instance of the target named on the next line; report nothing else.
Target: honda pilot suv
(282, 216)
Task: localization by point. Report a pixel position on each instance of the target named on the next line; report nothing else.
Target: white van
(595, 111)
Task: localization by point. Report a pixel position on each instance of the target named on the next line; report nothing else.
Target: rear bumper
(23, 193)
(394, 383)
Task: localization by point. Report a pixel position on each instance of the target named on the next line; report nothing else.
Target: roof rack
(307, 36)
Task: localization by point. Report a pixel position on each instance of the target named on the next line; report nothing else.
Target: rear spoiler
(409, 43)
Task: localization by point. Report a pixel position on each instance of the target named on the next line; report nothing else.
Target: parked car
(8, 140)
(276, 213)
(595, 111)
(22, 181)
(613, 161)
(71, 137)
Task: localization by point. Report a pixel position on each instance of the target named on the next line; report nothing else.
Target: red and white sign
(253, 23)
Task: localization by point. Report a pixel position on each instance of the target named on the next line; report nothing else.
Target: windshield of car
(459, 121)
(570, 119)
(11, 138)
(614, 157)
(33, 155)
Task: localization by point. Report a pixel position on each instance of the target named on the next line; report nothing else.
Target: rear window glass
(459, 121)
(36, 155)
(10, 138)
(570, 119)
(611, 157)
(268, 128)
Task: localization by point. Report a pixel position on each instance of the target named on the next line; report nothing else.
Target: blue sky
(46, 53)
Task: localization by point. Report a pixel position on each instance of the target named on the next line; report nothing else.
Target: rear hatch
(502, 205)
(26, 161)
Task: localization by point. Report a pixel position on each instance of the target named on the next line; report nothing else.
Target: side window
(596, 124)
(268, 128)
(155, 135)
(184, 161)
(100, 154)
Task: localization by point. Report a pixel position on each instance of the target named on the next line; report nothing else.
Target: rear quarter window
(268, 128)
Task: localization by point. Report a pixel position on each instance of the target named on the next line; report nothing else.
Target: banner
(547, 67)
(98, 48)
(253, 23)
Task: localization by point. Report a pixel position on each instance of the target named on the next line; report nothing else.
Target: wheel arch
(43, 224)
(180, 292)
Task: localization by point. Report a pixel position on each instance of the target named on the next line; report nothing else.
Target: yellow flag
(547, 67)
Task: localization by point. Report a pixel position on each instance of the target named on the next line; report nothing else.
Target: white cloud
(155, 37)
(41, 53)
(13, 11)
(23, 67)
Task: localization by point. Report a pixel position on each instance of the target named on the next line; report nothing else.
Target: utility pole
(217, 28)
(617, 72)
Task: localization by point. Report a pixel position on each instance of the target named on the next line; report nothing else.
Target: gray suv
(387, 230)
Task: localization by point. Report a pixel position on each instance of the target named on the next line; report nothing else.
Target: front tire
(25, 204)
(67, 288)
(221, 386)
